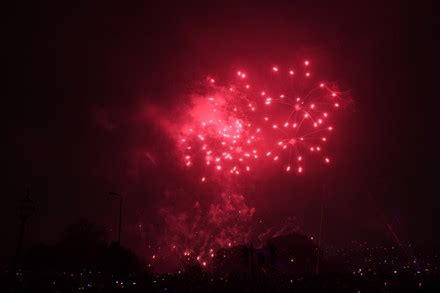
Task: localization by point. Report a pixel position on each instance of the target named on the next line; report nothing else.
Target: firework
(240, 127)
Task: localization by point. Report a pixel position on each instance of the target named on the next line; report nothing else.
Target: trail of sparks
(239, 128)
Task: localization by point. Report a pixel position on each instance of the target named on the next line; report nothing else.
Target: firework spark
(238, 128)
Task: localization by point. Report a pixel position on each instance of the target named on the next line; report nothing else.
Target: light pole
(320, 229)
(117, 195)
(25, 209)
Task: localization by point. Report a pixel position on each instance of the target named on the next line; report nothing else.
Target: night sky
(82, 78)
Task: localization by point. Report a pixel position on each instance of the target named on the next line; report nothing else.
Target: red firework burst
(238, 128)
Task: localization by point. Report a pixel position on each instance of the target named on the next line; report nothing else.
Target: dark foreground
(92, 281)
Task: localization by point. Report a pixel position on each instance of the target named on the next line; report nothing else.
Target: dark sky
(78, 75)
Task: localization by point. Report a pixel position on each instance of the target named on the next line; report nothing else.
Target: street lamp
(117, 195)
(25, 209)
